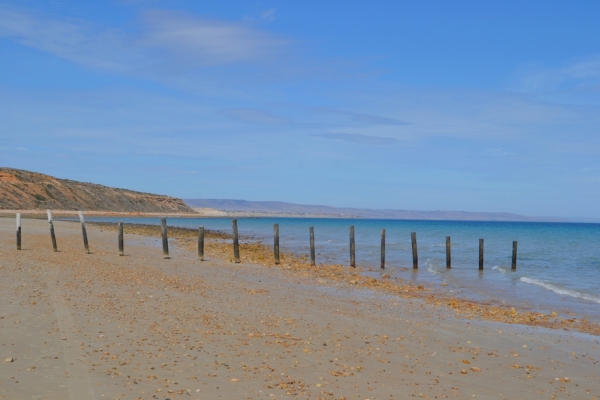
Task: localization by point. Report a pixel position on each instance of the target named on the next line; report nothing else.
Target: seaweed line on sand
(255, 252)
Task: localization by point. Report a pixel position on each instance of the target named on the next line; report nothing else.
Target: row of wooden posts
(413, 236)
(236, 244)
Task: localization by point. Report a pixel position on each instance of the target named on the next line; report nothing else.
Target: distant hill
(282, 208)
(24, 190)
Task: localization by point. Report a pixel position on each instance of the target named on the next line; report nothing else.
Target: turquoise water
(558, 265)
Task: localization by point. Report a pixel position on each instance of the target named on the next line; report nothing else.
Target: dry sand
(42, 214)
(77, 326)
(198, 213)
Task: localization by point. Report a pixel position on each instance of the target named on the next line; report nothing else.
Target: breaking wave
(500, 269)
(556, 289)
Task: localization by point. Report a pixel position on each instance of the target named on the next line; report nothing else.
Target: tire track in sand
(78, 380)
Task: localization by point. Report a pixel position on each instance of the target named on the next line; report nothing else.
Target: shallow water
(558, 266)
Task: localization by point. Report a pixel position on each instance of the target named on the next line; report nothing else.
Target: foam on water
(561, 291)
(431, 267)
(499, 268)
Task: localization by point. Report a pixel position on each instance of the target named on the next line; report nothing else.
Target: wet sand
(79, 326)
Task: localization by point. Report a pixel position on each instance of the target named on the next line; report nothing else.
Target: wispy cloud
(268, 15)
(357, 138)
(580, 75)
(360, 117)
(255, 116)
(265, 16)
(75, 40)
(499, 152)
(159, 37)
(208, 41)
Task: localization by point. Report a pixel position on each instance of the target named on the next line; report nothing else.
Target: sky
(436, 105)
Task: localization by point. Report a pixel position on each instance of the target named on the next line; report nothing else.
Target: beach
(95, 326)
(557, 264)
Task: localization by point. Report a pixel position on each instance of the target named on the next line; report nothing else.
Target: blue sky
(463, 105)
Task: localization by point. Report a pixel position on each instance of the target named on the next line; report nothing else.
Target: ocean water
(558, 264)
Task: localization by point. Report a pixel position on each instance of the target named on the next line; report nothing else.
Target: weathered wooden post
(448, 253)
(312, 245)
(276, 243)
(415, 254)
(514, 256)
(236, 243)
(84, 233)
(52, 235)
(121, 244)
(201, 243)
(165, 238)
(382, 248)
(481, 254)
(18, 231)
(352, 248)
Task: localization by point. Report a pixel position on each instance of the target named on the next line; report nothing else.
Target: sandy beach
(198, 213)
(100, 326)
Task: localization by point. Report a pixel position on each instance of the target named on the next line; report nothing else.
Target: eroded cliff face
(25, 190)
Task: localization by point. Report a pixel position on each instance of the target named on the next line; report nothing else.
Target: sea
(558, 264)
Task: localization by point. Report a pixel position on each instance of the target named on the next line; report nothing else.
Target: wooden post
(312, 245)
(382, 248)
(415, 254)
(52, 235)
(448, 253)
(121, 244)
(165, 238)
(276, 243)
(201, 243)
(84, 233)
(236, 243)
(514, 256)
(352, 248)
(18, 231)
(481, 254)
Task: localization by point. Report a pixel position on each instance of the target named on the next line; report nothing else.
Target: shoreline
(260, 253)
(199, 213)
(220, 214)
(41, 214)
(83, 326)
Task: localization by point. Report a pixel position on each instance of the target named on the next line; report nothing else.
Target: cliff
(24, 190)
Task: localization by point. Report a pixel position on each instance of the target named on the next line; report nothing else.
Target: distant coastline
(245, 208)
(31, 193)
(334, 213)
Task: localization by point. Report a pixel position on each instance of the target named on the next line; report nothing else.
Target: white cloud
(208, 41)
(161, 37)
(265, 16)
(357, 138)
(255, 116)
(499, 152)
(75, 40)
(268, 15)
(361, 118)
(579, 74)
